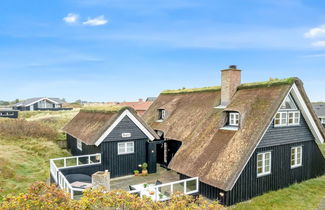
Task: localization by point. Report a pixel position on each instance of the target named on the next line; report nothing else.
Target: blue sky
(115, 50)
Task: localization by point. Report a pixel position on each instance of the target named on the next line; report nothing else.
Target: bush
(39, 196)
(42, 196)
(20, 128)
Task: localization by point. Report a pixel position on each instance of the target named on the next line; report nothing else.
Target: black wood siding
(9, 114)
(279, 141)
(121, 165)
(125, 126)
(286, 135)
(86, 149)
(248, 185)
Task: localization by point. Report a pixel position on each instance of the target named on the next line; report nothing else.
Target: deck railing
(163, 192)
(69, 162)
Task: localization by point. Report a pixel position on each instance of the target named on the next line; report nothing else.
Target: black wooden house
(241, 140)
(8, 113)
(121, 137)
(39, 104)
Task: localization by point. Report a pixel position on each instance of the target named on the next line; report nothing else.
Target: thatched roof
(217, 156)
(91, 122)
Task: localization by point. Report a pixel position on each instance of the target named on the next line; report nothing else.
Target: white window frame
(79, 145)
(283, 117)
(295, 118)
(264, 165)
(234, 118)
(125, 146)
(161, 114)
(296, 159)
(322, 120)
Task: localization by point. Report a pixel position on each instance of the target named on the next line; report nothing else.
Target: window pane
(259, 157)
(267, 169)
(121, 148)
(259, 164)
(267, 155)
(259, 170)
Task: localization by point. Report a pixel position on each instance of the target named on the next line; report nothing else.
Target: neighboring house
(41, 103)
(241, 140)
(8, 113)
(139, 106)
(319, 108)
(151, 99)
(121, 137)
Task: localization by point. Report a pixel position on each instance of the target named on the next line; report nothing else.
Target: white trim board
(306, 114)
(41, 100)
(118, 120)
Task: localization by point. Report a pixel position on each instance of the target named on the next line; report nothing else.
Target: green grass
(269, 83)
(191, 90)
(24, 161)
(304, 195)
(103, 109)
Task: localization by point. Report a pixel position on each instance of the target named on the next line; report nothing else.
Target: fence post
(185, 184)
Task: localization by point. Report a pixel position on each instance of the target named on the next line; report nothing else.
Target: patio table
(145, 191)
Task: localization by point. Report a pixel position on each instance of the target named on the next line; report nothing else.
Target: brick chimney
(230, 80)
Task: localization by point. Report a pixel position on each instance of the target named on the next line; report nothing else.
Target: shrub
(42, 196)
(20, 128)
(39, 196)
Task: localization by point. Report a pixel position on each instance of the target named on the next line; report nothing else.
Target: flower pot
(145, 172)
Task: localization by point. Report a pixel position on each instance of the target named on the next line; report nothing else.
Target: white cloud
(71, 18)
(318, 44)
(316, 32)
(97, 21)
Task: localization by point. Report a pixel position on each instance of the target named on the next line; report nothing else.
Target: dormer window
(233, 118)
(161, 114)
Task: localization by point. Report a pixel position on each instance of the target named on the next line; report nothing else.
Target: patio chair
(158, 182)
(131, 188)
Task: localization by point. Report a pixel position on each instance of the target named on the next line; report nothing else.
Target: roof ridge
(104, 109)
(268, 83)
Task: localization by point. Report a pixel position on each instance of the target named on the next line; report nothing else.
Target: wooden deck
(162, 175)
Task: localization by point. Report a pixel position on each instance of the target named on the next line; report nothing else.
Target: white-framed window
(288, 118)
(296, 157)
(263, 163)
(79, 145)
(322, 120)
(125, 148)
(234, 118)
(161, 114)
(293, 118)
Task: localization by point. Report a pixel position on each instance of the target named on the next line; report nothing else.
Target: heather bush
(42, 196)
(20, 128)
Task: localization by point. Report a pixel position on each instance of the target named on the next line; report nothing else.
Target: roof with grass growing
(269, 83)
(91, 122)
(216, 155)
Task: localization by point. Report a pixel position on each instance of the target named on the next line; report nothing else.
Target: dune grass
(24, 161)
(26, 145)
